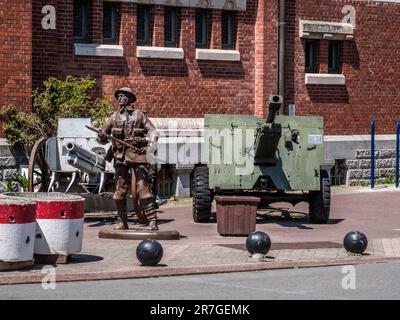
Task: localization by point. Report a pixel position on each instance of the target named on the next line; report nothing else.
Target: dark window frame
(84, 8)
(174, 27)
(115, 22)
(204, 42)
(334, 65)
(146, 40)
(230, 31)
(310, 56)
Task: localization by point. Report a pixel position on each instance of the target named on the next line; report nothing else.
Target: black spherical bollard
(258, 243)
(355, 242)
(149, 252)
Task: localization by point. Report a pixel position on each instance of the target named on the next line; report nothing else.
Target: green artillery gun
(277, 160)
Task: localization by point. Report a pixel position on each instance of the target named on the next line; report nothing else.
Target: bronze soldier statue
(134, 127)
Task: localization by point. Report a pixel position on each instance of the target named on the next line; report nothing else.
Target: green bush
(67, 98)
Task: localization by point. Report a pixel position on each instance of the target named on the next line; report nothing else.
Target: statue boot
(122, 215)
(149, 208)
(153, 225)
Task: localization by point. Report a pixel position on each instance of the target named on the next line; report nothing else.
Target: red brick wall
(266, 54)
(370, 64)
(165, 88)
(191, 88)
(15, 53)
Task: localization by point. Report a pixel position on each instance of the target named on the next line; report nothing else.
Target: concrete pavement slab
(296, 243)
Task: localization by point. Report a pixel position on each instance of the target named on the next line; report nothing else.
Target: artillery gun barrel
(268, 134)
(274, 104)
(85, 160)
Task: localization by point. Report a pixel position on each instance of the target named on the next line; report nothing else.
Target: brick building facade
(341, 59)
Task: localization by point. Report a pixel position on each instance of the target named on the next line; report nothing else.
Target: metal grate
(202, 28)
(170, 27)
(227, 30)
(143, 25)
(80, 20)
(108, 23)
(339, 173)
(333, 57)
(165, 182)
(310, 57)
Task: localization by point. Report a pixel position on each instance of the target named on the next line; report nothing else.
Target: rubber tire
(202, 195)
(320, 201)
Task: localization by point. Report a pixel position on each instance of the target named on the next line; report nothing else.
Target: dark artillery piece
(75, 162)
(279, 159)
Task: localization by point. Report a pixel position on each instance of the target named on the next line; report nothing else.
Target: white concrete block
(325, 79)
(219, 55)
(159, 52)
(103, 50)
(326, 30)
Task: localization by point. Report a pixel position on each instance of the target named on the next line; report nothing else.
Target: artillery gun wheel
(38, 167)
(202, 196)
(320, 201)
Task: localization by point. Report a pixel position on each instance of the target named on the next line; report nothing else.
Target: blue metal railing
(372, 153)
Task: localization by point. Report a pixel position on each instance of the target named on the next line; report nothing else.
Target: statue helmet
(127, 91)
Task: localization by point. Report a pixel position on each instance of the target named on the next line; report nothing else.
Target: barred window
(143, 25)
(333, 57)
(310, 57)
(202, 28)
(81, 21)
(110, 23)
(170, 27)
(227, 30)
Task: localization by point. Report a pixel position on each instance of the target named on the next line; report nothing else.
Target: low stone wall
(7, 168)
(359, 169)
(10, 162)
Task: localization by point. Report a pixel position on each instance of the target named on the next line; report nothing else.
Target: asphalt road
(372, 281)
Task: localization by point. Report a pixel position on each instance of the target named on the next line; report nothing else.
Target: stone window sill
(217, 55)
(326, 30)
(100, 50)
(325, 79)
(159, 52)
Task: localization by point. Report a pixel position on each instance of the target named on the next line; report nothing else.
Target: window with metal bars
(228, 29)
(202, 28)
(110, 23)
(310, 57)
(81, 21)
(170, 27)
(143, 25)
(333, 57)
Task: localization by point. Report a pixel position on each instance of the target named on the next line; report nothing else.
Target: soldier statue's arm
(151, 130)
(105, 130)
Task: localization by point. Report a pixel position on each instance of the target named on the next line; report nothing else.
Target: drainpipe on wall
(281, 58)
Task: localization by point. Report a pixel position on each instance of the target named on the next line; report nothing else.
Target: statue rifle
(110, 137)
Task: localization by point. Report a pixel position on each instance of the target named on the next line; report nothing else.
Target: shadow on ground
(133, 221)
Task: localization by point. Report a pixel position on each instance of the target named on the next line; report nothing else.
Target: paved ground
(296, 243)
(372, 281)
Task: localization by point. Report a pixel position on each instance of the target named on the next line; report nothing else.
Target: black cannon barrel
(268, 134)
(274, 103)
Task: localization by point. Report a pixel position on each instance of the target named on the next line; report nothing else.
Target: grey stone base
(356, 152)
(359, 169)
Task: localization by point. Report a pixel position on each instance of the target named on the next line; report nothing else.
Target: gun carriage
(278, 159)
